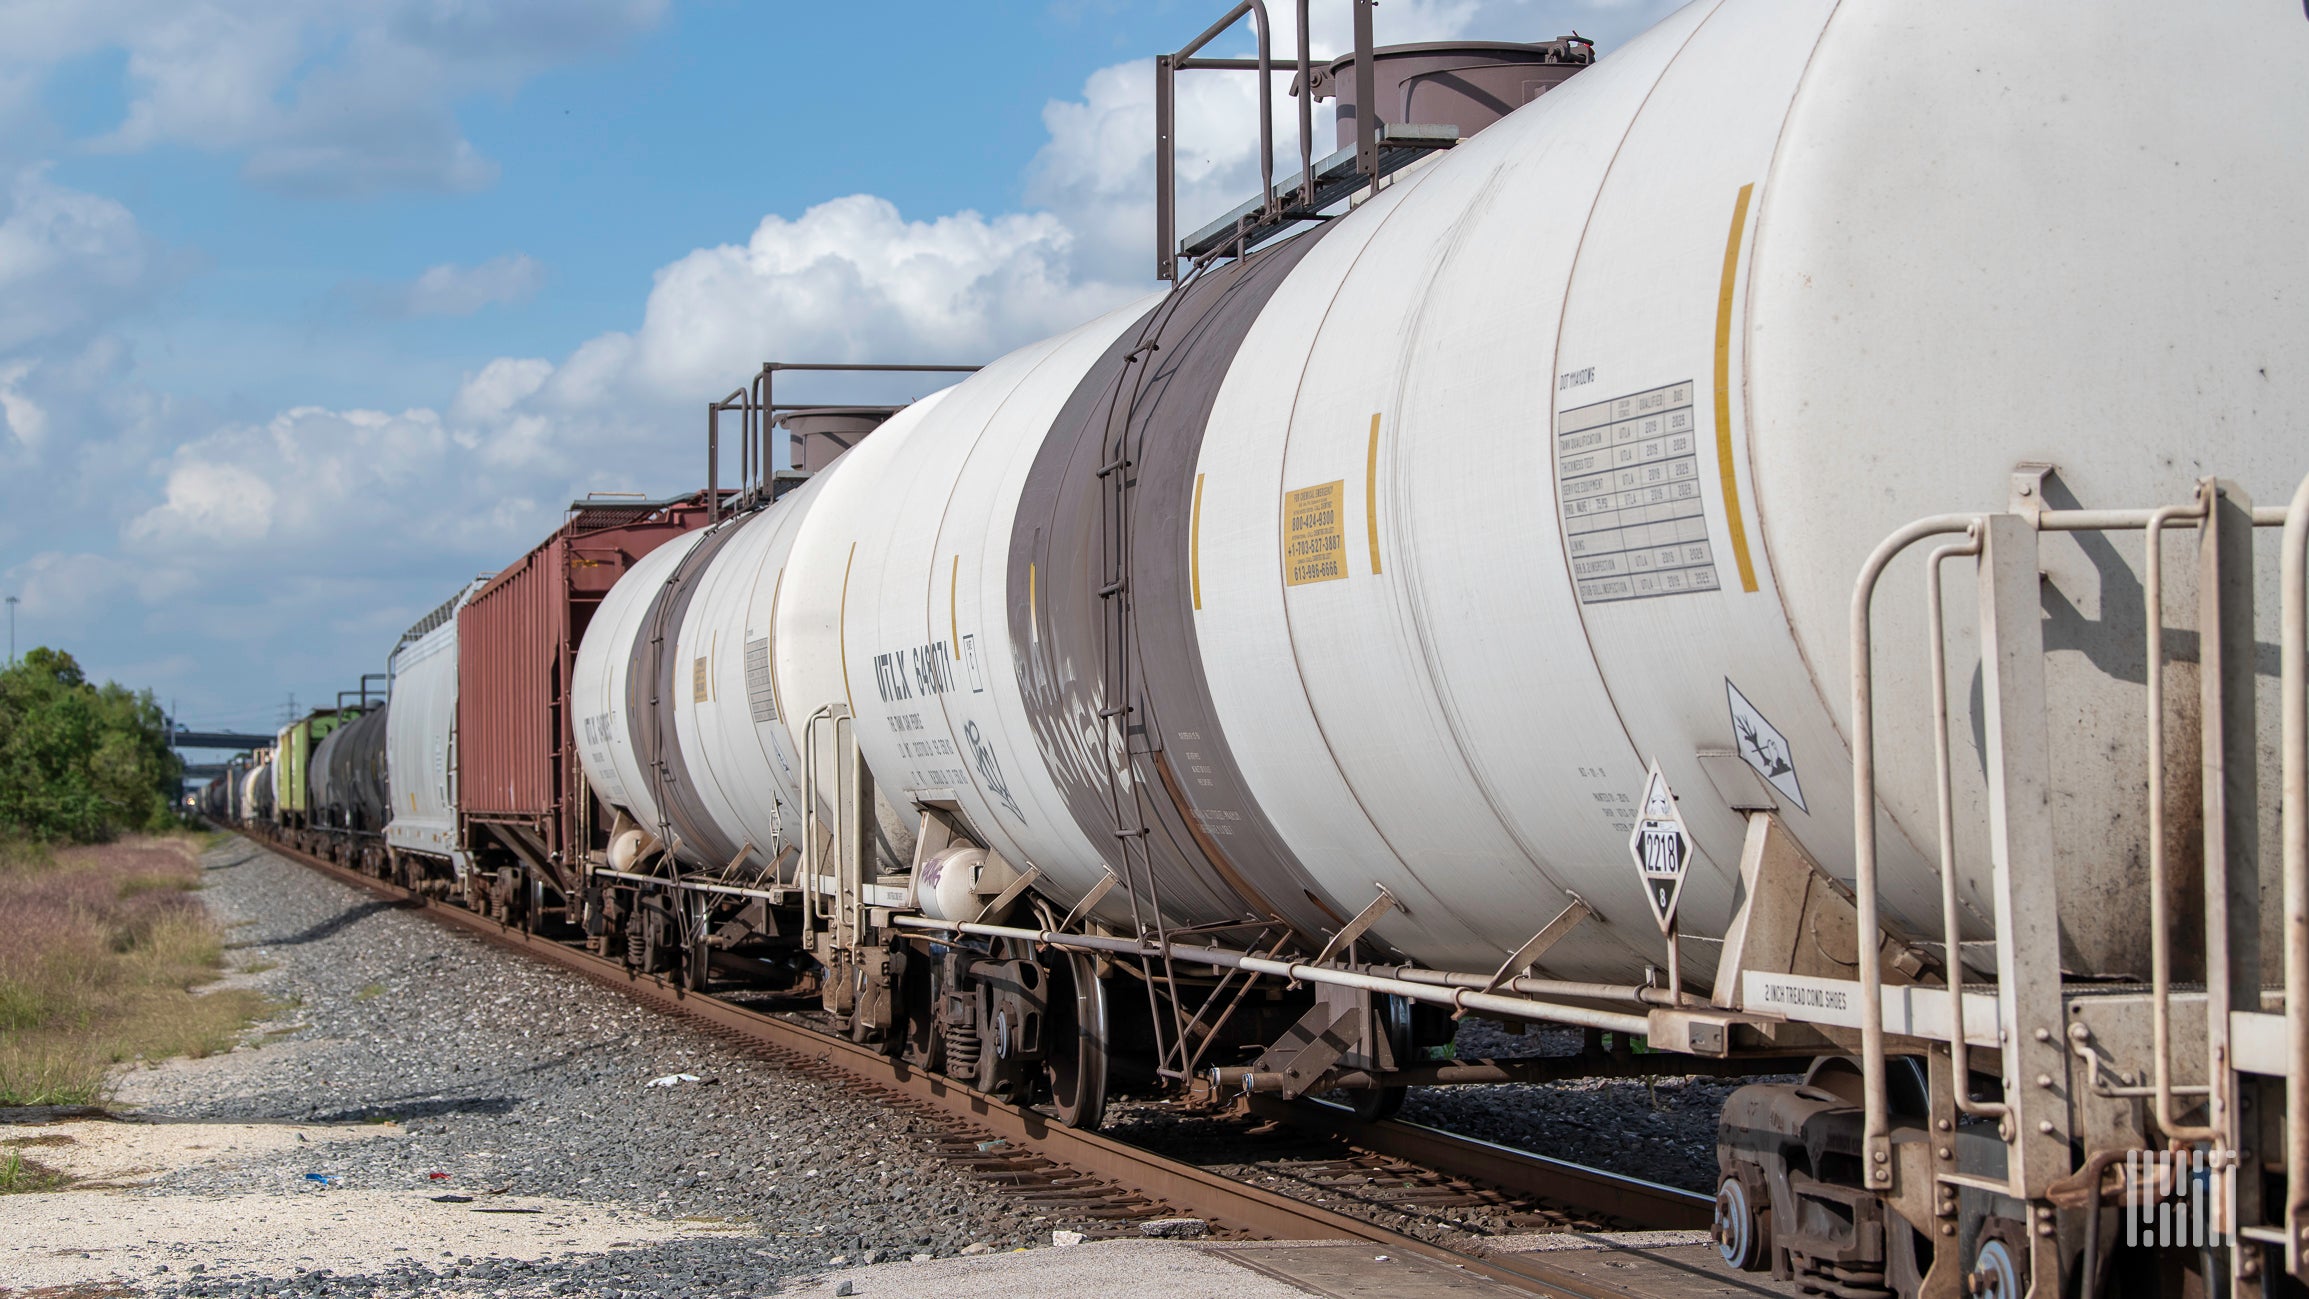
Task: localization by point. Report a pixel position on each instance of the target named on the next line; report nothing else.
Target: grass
(19, 1176)
(369, 992)
(106, 945)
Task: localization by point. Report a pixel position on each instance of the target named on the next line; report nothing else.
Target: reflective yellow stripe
(1033, 612)
(954, 612)
(842, 630)
(1195, 544)
(1371, 492)
(1724, 466)
(770, 645)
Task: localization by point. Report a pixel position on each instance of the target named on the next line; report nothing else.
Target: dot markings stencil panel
(1628, 481)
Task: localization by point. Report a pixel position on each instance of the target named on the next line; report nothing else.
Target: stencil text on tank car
(1628, 481)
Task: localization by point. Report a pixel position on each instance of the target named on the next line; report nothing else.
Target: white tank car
(1408, 544)
(603, 676)
(257, 789)
(418, 730)
(739, 775)
(1786, 277)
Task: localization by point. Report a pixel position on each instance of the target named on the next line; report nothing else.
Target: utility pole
(11, 631)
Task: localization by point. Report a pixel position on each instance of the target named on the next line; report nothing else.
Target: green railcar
(293, 753)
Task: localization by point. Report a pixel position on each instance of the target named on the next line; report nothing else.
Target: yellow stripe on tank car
(953, 610)
(1033, 611)
(842, 630)
(1724, 467)
(1195, 544)
(1371, 492)
(770, 645)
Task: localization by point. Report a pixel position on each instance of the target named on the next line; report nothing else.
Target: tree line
(81, 762)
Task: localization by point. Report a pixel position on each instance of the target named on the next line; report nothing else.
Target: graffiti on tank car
(989, 769)
(913, 673)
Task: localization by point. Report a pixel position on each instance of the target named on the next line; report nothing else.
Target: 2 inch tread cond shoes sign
(1661, 846)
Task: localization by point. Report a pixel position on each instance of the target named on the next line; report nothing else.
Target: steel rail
(1610, 1194)
(1222, 1201)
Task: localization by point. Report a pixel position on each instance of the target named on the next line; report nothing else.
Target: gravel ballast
(517, 1079)
(482, 1082)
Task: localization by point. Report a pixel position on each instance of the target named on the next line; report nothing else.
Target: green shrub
(78, 761)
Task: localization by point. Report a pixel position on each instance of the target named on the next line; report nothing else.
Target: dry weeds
(105, 947)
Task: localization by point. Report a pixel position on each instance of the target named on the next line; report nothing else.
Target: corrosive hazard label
(1314, 534)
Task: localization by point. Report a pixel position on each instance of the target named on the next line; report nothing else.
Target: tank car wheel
(1743, 1236)
(1374, 1104)
(1996, 1272)
(1077, 1035)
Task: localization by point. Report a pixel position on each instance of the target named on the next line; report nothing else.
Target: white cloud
(316, 96)
(853, 280)
(25, 419)
(68, 260)
(208, 503)
(501, 383)
(452, 290)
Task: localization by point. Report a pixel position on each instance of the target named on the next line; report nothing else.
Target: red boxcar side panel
(509, 641)
(518, 784)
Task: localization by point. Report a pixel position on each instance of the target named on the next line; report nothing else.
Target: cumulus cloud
(316, 96)
(854, 280)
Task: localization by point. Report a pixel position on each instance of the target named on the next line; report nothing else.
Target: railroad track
(1108, 1186)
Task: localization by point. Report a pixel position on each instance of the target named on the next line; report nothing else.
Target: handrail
(812, 868)
(1959, 1052)
(1876, 1130)
(2160, 943)
(2294, 722)
(1876, 1127)
(1167, 68)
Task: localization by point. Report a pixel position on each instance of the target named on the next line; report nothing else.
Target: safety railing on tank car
(757, 407)
(2004, 546)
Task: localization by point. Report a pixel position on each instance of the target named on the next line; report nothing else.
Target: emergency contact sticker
(1314, 534)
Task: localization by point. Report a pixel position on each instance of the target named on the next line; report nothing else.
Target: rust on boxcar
(520, 793)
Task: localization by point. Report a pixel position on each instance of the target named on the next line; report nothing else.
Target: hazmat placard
(1661, 846)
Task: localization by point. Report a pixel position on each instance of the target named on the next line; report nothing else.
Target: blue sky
(311, 309)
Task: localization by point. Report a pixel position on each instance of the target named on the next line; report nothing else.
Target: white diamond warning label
(1764, 748)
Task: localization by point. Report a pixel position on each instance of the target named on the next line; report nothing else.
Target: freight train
(1747, 546)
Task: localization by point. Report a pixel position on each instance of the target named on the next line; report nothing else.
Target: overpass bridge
(237, 741)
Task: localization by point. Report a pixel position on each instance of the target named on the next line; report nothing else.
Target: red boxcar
(521, 796)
